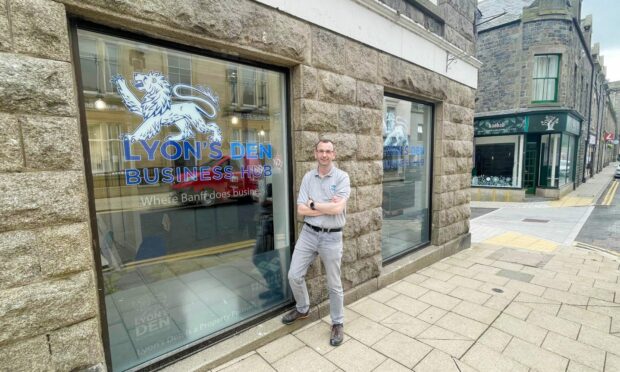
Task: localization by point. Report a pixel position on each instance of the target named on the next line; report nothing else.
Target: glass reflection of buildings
(245, 108)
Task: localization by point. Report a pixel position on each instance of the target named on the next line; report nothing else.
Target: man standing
(322, 201)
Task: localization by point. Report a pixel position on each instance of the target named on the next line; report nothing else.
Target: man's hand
(305, 210)
(335, 205)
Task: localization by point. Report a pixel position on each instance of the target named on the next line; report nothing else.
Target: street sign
(609, 136)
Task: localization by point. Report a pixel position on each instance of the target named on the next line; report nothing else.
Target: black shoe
(294, 315)
(337, 335)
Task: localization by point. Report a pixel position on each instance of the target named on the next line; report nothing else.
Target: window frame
(546, 78)
(431, 153)
(75, 23)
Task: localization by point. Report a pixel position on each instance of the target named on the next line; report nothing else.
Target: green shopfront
(527, 154)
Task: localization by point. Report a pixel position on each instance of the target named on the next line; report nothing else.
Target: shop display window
(191, 193)
(407, 129)
(549, 175)
(566, 159)
(497, 161)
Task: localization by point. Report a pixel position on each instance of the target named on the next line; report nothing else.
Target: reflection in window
(111, 64)
(496, 161)
(566, 159)
(549, 160)
(179, 69)
(406, 179)
(105, 147)
(248, 87)
(196, 244)
(89, 64)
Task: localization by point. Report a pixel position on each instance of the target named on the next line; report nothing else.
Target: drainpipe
(585, 155)
(601, 113)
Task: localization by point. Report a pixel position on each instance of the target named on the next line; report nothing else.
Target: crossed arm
(334, 206)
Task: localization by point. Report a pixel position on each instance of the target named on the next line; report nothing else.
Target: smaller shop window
(407, 129)
(549, 160)
(545, 78)
(566, 159)
(497, 161)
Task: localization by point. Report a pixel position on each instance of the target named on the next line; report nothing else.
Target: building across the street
(152, 154)
(533, 120)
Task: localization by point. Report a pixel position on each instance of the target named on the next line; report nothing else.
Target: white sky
(606, 32)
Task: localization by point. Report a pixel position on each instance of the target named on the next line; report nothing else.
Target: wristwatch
(312, 204)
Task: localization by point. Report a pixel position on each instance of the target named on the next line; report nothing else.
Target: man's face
(325, 154)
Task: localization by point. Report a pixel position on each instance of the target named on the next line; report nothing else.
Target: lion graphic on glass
(157, 109)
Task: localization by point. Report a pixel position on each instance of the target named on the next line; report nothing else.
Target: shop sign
(560, 122)
(546, 123)
(193, 112)
(498, 126)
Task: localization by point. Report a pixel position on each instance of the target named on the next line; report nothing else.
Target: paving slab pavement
(522, 298)
(488, 308)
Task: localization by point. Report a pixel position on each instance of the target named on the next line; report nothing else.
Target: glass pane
(539, 90)
(192, 216)
(406, 175)
(553, 66)
(544, 160)
(553, 172)
(550, 89)
(111, 63)
(565, 165)
(89, 64)
(496, 161)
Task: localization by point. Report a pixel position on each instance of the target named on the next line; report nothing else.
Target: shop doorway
(529, 166)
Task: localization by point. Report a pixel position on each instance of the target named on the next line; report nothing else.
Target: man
(322, 201)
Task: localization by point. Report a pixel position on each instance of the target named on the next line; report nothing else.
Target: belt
(321, 229)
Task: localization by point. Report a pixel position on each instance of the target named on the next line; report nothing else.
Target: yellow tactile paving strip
(516, 240)
(572, 202)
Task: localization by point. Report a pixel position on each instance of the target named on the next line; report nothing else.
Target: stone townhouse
(533, 115)
(603, 129)
(153, 151)
(614, 97)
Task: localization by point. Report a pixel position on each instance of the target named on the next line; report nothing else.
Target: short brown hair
(324, 140)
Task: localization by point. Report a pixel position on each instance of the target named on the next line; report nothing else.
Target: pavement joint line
(421, 359)
(490, 324)
(456, 364)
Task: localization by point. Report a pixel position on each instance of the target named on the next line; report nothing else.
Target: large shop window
(497, 161)
(556, 160)
(191, 193)
(406, 175)
(545, 78)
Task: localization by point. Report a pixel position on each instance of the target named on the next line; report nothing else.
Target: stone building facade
(65, 296)
(537, 70)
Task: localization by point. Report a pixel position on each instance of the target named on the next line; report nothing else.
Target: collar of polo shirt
(329, 174)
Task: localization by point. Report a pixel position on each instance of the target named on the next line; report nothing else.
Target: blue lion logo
(157, 109)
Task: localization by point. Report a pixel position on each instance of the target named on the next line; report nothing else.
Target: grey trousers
(329, 247)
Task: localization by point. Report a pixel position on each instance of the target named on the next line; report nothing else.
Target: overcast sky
(606, 32)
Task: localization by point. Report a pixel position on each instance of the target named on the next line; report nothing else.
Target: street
(603, 227)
